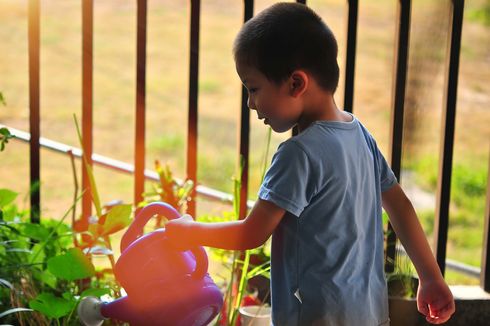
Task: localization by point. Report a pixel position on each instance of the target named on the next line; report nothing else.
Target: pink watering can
(163, 286)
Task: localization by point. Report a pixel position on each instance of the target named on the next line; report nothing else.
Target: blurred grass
(219, 98)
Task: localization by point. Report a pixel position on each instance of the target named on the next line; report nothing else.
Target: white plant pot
(255, 315)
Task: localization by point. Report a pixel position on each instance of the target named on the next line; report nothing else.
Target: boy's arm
(249, 233)
(434, 299)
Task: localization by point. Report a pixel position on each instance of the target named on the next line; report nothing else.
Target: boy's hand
(435, 301)
(177, 232)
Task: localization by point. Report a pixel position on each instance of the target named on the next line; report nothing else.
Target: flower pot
(403, 312)
(255, 315)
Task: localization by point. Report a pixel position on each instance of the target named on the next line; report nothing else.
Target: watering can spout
(89, 311)
(93, 312)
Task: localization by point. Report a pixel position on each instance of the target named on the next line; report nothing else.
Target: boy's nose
(250, 104)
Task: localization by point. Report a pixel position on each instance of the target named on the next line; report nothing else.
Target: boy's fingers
(423, 308)
(437, 320)
(441, 315)
(442, 308)
(187, 217)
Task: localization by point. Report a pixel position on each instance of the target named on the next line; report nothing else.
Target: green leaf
(117, 219)
(5, 135)
(7, 196)
(52, 306)
(68, 296)
(2, 99)
(95, 292)
(47, 278)
(73, 265)
(36, 231)
(37, 250)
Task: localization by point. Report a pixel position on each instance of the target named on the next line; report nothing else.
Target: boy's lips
(266, 121)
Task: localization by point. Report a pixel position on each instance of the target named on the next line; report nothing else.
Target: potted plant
(402, 292)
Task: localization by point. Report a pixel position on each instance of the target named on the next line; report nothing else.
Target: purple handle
(135, 231)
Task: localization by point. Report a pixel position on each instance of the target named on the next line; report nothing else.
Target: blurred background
(220, 98)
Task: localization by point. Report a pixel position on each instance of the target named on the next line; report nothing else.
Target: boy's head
(286, 37)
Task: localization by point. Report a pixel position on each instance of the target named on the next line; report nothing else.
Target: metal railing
(397, 111)
(202, 191)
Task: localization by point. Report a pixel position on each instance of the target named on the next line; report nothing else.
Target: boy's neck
(319, 105)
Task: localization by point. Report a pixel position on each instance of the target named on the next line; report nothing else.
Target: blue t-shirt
(327, 251)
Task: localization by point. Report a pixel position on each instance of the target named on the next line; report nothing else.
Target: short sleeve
(386, 176)
(287, 182)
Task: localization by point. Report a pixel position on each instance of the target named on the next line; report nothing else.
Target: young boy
(323, 194)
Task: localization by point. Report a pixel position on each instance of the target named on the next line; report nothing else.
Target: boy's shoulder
(325, 132)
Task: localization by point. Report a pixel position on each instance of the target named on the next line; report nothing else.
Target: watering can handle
(135, 231)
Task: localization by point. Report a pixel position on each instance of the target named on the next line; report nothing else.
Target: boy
(323, 194)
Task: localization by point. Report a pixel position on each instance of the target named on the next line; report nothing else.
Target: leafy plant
(35, 271)
(5, 134)
(48, 266)
(401, 282)
(240, 265)
(169, 190)
(95, 231)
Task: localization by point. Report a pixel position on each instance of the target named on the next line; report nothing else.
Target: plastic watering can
(163, 286)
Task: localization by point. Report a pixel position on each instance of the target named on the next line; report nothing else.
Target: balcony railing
(403, 20)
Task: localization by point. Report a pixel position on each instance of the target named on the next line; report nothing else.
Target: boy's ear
(298, 82)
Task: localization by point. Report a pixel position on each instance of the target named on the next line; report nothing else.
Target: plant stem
(241, 288)
(75, 180)
(266, 154)
(229, 295)
(107, 241)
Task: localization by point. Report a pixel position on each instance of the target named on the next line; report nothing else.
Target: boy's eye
(252, 90)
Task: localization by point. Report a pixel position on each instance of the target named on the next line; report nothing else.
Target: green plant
(240, 267)
(169, 190)
(237, 264)
(39, 268)
(48, 266)
(5, 134)
(95, 233)
(401, 282)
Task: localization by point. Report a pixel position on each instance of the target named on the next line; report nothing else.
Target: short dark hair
(286, 37)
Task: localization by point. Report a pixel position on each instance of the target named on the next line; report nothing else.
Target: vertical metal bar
(397, 110)
(447, 144)
(485, 261)
(193, 94)
(350, 59)
(87, 84)
(34, 108)
(245, 129)
(139, 142)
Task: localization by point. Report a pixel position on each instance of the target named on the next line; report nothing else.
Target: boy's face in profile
(273, 102)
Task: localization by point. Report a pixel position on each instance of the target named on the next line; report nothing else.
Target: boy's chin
(281, 129)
